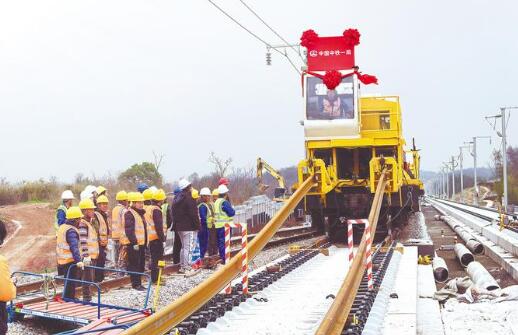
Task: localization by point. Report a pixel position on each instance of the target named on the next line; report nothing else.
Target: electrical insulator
(268, 58)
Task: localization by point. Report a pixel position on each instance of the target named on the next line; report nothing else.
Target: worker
(148, 197)
(213, 238)
(224, 181)
(177, 241)
(7, 288)
(135, 238)
(89, 245)
(116, 227)
(142, 187)
(67, 197)
(206, 220)
(156, 232)
(68, 250)
(103, 233)
(223, 213)
(187, 222)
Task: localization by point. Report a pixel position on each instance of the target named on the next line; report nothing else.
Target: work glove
(87, 261)
(81, 265)
(135, 247)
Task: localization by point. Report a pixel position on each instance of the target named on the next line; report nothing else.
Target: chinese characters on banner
(330, 53)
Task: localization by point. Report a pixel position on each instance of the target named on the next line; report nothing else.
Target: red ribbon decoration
(333, 78)
(352, 37)
(308, 38)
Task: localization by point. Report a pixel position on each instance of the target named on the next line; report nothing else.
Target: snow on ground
(483, 318)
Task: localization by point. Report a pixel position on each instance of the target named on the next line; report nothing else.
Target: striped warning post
(244, 253)
(368, 254)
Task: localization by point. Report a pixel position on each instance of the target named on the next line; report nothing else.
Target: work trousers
(88, 275)
(122, 258)
(220, 236)
(116, 251)
(188, 244)
(70, 290)
(156, 249)
(177, 247)
(213, 242)
(101, 262)
(136, 263)
(203, 237)
(3, 318)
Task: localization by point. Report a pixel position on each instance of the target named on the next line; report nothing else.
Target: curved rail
(336, 317)
(168, 317)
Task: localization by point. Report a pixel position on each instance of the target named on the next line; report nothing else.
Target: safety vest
(220, 217)
(116, 224)
(210, 214)
(104, 230)
(165, 206)
(151, 228)
(63, 252)
(140, 232)
(60, 208)
(92, 241)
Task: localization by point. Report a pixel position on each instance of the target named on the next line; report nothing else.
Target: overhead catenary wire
(268, 45)
(271, 29)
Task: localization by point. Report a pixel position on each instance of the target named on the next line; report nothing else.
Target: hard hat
(159, 195)
(142, 187)
(135, 197)
(100, 189)
(102, 199)
(215, 192)
(90, 189)
(67, 195)
(223, 181)
(86, 204)
(85, 195)
(183, 184)
(177, 190)
(74, 212)
(205, 191)
(195, 194)
(153, 188)
(222, 189)
(148, 194)
(121, 196)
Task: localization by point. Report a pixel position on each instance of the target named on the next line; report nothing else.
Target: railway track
(289, 235)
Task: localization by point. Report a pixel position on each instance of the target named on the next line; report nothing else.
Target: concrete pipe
(463, 254)
(440, 270)
(473, 245)
(481, 277)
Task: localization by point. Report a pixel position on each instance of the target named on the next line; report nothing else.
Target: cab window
(325, 104)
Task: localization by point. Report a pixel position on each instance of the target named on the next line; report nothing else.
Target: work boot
(140, 288)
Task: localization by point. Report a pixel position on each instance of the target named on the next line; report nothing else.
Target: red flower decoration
(308, 38)
(367, 79)
(352, 37)
(332, 79)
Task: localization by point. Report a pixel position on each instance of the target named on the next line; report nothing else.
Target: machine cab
(331, 114)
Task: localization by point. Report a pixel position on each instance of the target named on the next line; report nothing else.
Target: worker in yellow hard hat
(116, 228)
(89, 244)
(68, 250)
(135, 238)
(103, 232)
(156, 232)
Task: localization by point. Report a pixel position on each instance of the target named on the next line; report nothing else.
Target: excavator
(280, 193)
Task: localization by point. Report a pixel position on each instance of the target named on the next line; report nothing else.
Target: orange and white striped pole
(244, 253)
(368, 254)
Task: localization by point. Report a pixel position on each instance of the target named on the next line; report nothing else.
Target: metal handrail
(336, 317)
(170, 316)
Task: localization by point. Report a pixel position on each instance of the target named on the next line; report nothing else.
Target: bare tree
(157, 159)
(221, 165)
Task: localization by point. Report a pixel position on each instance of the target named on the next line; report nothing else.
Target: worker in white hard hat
(223, 213)
(187, 223)
(206, 219)
(67, 197)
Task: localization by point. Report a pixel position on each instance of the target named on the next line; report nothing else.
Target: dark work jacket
(129, 225)
(185, 212)
(159, 225)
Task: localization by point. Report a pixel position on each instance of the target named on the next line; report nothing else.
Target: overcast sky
(95, 86)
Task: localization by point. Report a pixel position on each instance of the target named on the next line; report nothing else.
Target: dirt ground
(33, 246)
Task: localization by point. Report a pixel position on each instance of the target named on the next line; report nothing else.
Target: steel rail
(336, 317)
(170, 316)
